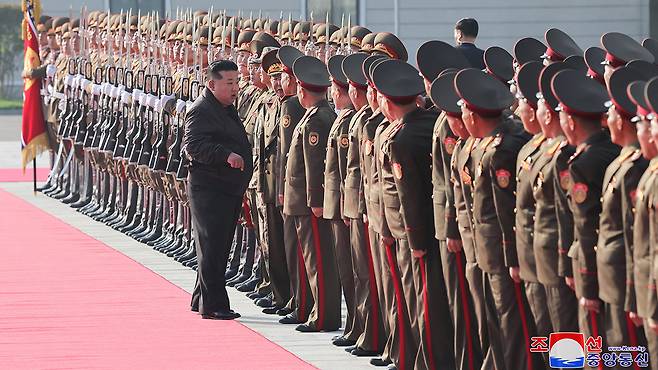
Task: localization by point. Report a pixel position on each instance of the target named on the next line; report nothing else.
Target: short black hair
(218, 66)
(468, 27)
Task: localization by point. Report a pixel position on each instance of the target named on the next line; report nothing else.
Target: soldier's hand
(637, 320)
(418, 253)
(365, 218)
(317, 211)
(454, 245)
(514, 273)
(653, 324)
(590, 304)
(571, 283)
(347, 222)
(281, 198)
(235, 161)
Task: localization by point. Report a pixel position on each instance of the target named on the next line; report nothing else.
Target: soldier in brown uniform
(621, 174)
(636, 207)
(292, 112)
(553, 226)
(510, 324)
(365, 259)
(528, 157)
(304, 195)
(472, 332)
(334, 175)
(407, 147)
(433, 57)
(581, 105)
(372, 215)
(267, 145)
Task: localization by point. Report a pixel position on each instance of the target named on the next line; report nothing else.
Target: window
(336, 9)
(143, 5)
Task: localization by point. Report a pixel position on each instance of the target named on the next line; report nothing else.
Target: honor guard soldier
(559, 46)
(334, 176)
(304, 194)
(473, 334)
(483, 100)
(434, 57)
(621, 49)
(581, 107)
(366, 256)
(645, 95)
(407, 148)
(301, 302)
(614, 253)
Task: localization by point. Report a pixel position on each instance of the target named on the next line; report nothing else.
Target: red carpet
(70, 301)
(17, 175)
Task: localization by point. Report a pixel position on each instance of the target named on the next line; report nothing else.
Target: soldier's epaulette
(551, 151)
(626, 155)
(497, 140)
(654, 167)
(636, 155)
(538, 140)
(581, 149)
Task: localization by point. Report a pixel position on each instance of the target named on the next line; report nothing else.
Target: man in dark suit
(216, 145)
(466, 31)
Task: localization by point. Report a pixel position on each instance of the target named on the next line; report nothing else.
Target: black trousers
(214, 218)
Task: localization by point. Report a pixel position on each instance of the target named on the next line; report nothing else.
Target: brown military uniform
(302, 300)
(334, 174)
(408, 147)
(365, 260)
(371, 199)
(612, 250)
(510, 324)
(525, 217)
(304, 190)
(466, 350)
(404, 318)
(587, 169)
(550, 185)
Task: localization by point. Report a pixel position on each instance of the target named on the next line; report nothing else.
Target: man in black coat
(466, 31)
(216, 144)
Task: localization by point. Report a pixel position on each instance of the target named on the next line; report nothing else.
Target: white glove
(51, 70)
(180, 106)
(158, 106)
(96, 89)
(137, 93)
(164, 99)
(68, 80)
(126, 97)
(84, 84)
(107, 88)
(188, 105)
(150, 100)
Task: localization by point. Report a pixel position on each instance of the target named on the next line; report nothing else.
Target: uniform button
(533, 218)
(596, 248)
(513, 228)
(514, 209)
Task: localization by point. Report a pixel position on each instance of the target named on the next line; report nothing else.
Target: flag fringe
(36, 146)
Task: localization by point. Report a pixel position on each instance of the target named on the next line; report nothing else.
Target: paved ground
(314, 348)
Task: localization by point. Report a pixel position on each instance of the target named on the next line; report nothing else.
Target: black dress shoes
(264, 302)
(304, 328)
(194, 309)
(289, 319)
(380, 362)
(360, 352)
(221, 315)
(343, 342)
(271, 310)
(284, 311)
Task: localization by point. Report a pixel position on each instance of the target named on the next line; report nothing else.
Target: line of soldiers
(459, 211)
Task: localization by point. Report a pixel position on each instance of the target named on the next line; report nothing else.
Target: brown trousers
(302, 299)
(342, 249)
(320, 261)
(367, 269)
(468, 354)
(274, 254)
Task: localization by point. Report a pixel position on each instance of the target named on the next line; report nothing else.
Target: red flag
(33, 137)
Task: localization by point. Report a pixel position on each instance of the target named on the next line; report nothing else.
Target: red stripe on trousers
(524, 323)
(632, 336)
(318, 252)
(398, 298)
(374, 297)
(595, 330)
(467, 316)
(302, 281)
(426, 311)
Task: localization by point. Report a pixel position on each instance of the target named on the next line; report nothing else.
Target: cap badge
(579, 192)
(503, 176)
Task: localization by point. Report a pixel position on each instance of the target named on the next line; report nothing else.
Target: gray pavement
(10, 143)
